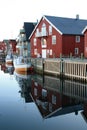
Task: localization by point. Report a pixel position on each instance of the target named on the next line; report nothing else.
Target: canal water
(33, 102)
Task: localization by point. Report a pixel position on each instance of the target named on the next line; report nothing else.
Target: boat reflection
(24, 81)
(7, 68)
(55, 97)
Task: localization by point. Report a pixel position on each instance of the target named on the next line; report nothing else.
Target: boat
(9, 59)
(22, 64)
(22, 75)
(10, 68)
(24, 81)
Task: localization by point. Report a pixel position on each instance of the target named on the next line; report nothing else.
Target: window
(77, 38)
(35, 51)
(50, 107)
(50, 52)
(35, 91)
(43, 43)
(76, 50)
(53, 99)
(50, 30)
(43, 29)
(53, 39)
(44, 93)
(86, 49)
(35, 41)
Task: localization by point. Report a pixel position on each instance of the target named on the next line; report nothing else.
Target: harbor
(25, 97)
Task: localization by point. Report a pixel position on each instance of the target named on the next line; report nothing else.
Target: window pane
(54, 39)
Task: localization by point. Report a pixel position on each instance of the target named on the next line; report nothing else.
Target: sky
(13, 13)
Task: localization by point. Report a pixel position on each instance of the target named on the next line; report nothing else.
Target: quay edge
(75, 69)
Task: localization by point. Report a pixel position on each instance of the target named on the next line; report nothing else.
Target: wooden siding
(56, 48)
(69, 44)
(85, 44)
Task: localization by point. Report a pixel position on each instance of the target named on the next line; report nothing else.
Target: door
(43, 53)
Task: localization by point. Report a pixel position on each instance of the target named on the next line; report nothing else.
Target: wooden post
(43, 65)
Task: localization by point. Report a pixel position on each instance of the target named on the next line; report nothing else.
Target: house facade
(9, 46)
(23, 43)
(12, 45)
(85, 41)
(3, 47)
(57, 36)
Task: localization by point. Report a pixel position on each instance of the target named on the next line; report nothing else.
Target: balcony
(22, 31)
(22, 39)
(42, 34)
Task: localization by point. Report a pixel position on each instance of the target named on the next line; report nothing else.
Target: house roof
(28, 26)
(67, 25)
(70, 26)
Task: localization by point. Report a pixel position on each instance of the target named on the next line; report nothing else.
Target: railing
(41, 34)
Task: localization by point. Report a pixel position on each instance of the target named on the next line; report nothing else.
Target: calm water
(32, 102)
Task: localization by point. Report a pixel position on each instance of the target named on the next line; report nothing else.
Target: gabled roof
(29, 26)
(68, 25)
(84, 29)
(71, 26)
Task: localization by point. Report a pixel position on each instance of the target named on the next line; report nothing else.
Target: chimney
(77, 16)
(37, 21)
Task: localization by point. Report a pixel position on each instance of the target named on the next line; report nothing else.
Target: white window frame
(54, 39)
(43, 29)
(50, 51)
(76, 51)
(35, 91)
(86, 49)
(77, 39)
(35, 41)
(50, 30)
(43, 43)
(35, 51)
(37, 32)
(53, 99)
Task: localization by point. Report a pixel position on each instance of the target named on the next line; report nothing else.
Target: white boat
(22, 64)
(9, 59)
(22, 75)
(10, 68)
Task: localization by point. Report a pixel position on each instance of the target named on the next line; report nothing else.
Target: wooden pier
(67, 68)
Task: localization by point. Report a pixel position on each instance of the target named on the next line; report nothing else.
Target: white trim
(35, 28)
(52, 25)
(48, 22)
(84, 29)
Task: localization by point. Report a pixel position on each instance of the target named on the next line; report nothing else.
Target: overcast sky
(13, 13)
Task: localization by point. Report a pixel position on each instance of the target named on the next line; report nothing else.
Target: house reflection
(24, 81)
(55, 97)
(84, 112)
(7, 68)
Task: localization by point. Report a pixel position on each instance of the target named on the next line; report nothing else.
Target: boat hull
(21, 66)
(9, 62)
(22, 69)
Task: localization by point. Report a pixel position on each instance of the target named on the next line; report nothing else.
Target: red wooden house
(50, 100)
(12, 45)
(85, 41)
(3, 47)
(58, 36)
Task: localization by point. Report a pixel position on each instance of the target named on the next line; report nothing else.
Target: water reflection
(24, 81)
(55, 97)
(7, 68)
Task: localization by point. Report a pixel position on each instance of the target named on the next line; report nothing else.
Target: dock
(66, 68)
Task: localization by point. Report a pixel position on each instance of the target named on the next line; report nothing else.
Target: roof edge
(84, 29)
(35, 28)
(52, 25)
(48, 22)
